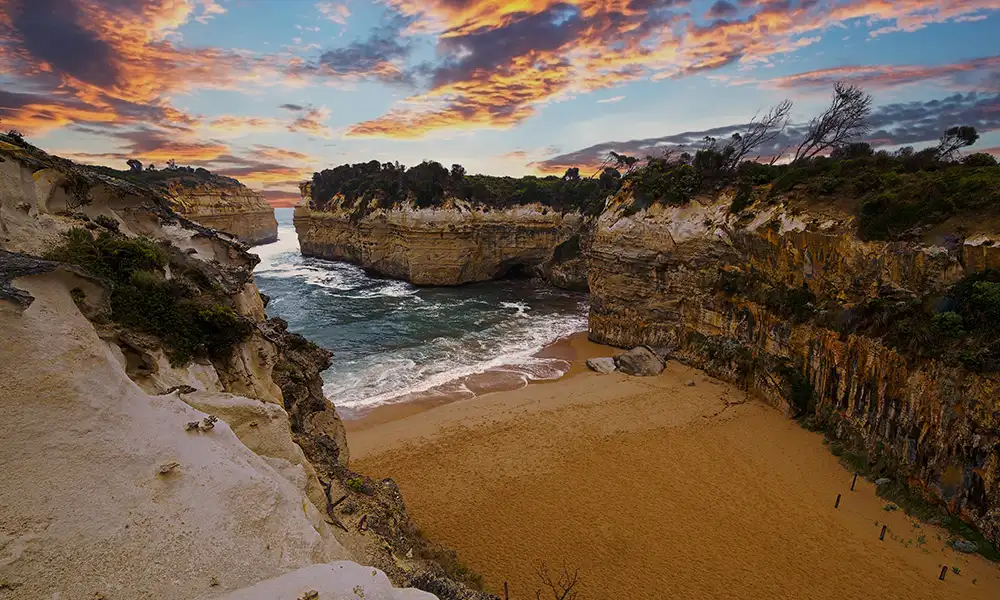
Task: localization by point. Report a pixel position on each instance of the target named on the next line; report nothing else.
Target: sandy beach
(653, 488)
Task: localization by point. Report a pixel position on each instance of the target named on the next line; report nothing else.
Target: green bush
(950, 324)
(980, 159)
(356, 484)
(192, 321)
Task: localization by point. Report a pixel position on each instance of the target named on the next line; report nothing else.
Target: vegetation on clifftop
(895, 195)
(186, 176)
(429, 184)
(191, 320)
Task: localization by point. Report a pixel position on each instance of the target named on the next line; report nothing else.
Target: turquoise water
(390, 338)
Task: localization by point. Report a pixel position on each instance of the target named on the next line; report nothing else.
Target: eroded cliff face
(230, 207)
(128, 474)
(458, 243)
(664, 277)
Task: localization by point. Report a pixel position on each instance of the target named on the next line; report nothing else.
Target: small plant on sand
(560, 586)
(356, 484)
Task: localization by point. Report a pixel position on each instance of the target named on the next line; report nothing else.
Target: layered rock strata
(663, 277)
(455, 244)
(226, 205)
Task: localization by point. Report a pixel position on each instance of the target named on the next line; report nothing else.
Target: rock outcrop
(684, 278)
(640, 361)
(454, 244)
(128, 472)
(224, 204)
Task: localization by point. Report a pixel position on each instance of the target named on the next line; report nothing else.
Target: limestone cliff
(762, 298)
(224, 204)
(449, 245)
(134, 470)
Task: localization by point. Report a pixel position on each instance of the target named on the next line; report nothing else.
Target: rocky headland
(432, 227)
(212, 200)
(227, 205)
(162, 437)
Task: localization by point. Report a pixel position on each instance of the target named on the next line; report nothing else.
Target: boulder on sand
(603, 365)
(640, 361)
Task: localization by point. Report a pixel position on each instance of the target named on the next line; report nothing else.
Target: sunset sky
(269, 91)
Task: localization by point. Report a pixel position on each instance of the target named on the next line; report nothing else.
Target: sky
(269, 91)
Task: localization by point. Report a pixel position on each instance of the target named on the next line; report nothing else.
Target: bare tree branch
(758, 133)
(563, 586)
(844, 120)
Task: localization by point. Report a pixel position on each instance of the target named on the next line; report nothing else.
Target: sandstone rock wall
(107, 490)
(448, 246)
(655, 279)
(233, 208)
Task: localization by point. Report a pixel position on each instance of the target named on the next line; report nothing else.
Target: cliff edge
(162, 437)
(450, 245)
(226, 205)
(884, 344)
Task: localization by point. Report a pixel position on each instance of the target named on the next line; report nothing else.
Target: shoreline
(652, 488)
(574, 350)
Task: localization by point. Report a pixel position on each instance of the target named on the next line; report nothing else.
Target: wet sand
(653, 489)
(573, 351)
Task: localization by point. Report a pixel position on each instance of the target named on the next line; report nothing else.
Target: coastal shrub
(106, 222)
(963, 334)
(980, 159)
(78, 296)
(796, 303)
(190, 320)
(356, 484)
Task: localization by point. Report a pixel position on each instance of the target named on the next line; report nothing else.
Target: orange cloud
(272, 153)
(510, 58)
(232, 124)
(312, 121)
(334, 11)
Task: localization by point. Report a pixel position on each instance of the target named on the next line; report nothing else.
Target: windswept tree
(845, 120)
(757, 135)
(954, 139)
(624, 163)
(134, 165)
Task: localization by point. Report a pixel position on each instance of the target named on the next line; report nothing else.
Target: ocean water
(391, 340)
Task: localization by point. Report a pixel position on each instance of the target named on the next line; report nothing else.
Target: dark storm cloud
(51, 31)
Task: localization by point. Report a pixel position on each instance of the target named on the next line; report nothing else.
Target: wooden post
(944, 570)
(854, 481)
(837, 503)
(881, 536)
(506, 596)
